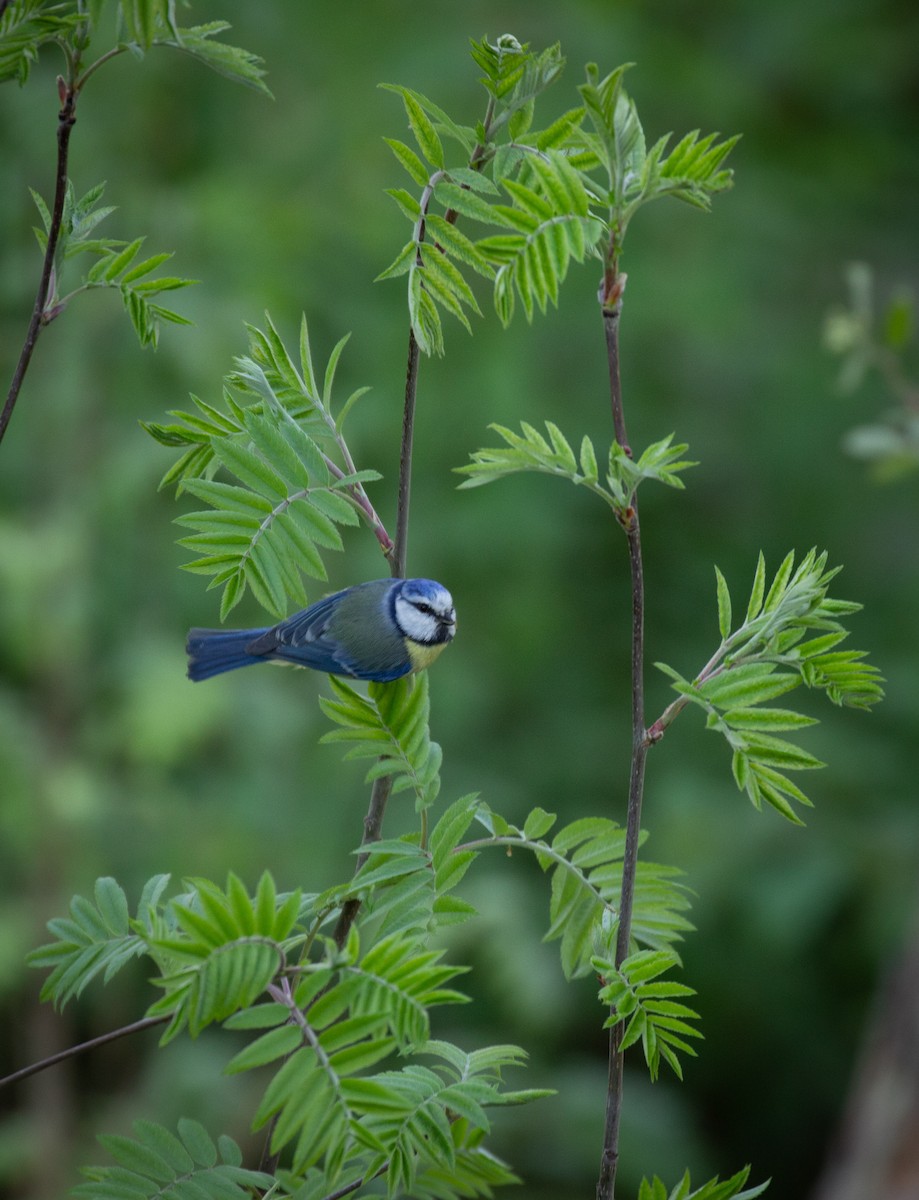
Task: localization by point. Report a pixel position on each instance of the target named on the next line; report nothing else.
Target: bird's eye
(425, 608)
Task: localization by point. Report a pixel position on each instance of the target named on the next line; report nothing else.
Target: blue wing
(306, 639)
(337, 635)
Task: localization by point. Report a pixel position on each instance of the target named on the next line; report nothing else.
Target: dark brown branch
(379, 796)
(405, 459)
(71, 1051)
(611, 331)
(65, 123)
(349, 1188)
(373, 827)
(606, 1184)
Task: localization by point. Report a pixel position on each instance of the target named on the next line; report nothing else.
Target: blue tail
(213, 651)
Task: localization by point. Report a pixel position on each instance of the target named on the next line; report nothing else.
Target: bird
(380, 630)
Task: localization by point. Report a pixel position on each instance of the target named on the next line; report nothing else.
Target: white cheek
(418, 626)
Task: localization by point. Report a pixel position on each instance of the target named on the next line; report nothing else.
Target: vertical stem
(405, 459)
(65, 123)
(379, 796)
(606, 1184)
(611, 330)
(382, 787)
(373, 826)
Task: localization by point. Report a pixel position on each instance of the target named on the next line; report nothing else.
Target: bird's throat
(422, 656)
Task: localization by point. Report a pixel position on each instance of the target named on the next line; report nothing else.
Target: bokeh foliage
(111, 763)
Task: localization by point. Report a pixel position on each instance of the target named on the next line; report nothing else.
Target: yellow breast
(422, 656)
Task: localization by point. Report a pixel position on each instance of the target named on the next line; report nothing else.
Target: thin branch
(658, 728)
(476, 163)
(71, 1051)
(405, 458)
(373, 828)
(611, 331)
(606, 1184)
(382, 787)
(349, 1188)
(65, 123)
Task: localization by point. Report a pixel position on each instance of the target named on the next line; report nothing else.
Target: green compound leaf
(157, 1162)
(714, 1189)
(549, 224)
(233, 62)
(99, 938)
(584, 860)
(26, 26)
(221, 953)
(391, 727)
(637, 995)
(767, 656)
(268, 528)
(553, 455)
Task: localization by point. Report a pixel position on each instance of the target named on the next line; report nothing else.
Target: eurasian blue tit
(380, 630)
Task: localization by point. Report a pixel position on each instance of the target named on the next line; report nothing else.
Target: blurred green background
(112, 763)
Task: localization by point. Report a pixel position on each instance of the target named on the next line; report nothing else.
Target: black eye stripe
(430, 610)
